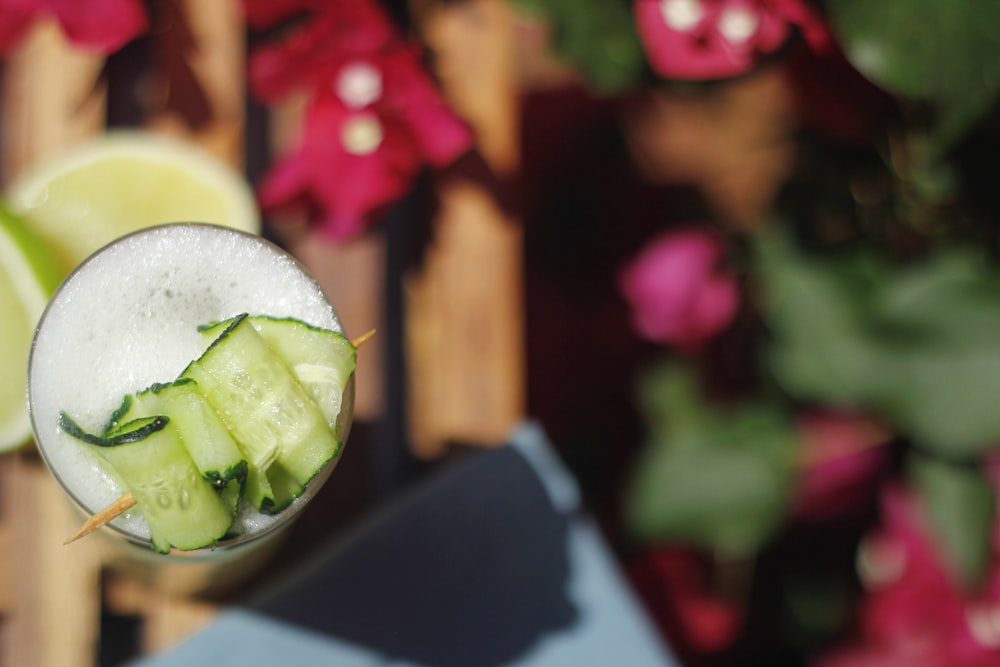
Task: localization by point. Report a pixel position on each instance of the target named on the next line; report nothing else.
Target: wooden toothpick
(363, 338)
(104, 516)
(127, 500)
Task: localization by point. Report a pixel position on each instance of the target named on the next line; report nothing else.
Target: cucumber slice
(206, 438)
(258, 491)
(183, 510)
(320, 359)
(269, 414)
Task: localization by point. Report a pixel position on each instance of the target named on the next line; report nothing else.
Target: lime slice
(28, 276)
(125, 180)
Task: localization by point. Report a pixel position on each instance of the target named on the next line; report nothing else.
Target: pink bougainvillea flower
(102, 26)
(914, 612)
(350, 162)
(413, 97)
(679, 293)
(842, 457)
(675, 584)
(374, 118)
(313, 53)
(714, 39)
(361, 149)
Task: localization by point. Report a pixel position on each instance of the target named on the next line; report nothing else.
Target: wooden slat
(167, 618)
(464, 344)
(202, 75)
(56, 589)
(464, 310)
(51, 98)
(7, 472)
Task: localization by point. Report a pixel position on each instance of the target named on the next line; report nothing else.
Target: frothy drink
(127, 318)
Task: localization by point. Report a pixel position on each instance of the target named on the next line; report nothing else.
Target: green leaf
(816, 312)
(942, 53)
(715, 477)
(596, 37)
(919, 345)
(943, 321)
(670, 402)
(959, 503)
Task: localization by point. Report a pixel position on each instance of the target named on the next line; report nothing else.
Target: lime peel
(29, 274)
(124, 180)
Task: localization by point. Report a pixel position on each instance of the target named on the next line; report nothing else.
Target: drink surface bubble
(127, 317)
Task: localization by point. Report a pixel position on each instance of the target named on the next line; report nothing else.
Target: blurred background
(736, 258)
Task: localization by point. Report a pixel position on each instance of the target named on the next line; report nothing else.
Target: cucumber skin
(143, 427)
(117, 417)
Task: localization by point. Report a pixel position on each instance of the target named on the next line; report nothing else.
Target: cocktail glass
(126, 318)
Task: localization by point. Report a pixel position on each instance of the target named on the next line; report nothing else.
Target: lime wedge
(125, 180)
(28, 276)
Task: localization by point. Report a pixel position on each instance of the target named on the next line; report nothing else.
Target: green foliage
(919, 345)
(817, 313)
(960, 505)
(596, 37)
(717, 477)
(940, 53)
(944, 321)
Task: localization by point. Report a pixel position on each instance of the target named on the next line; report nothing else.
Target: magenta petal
(283, 182)
(348, 196)
(372, 181)
(715, 306)
(677, 291)
(268, 73)
(439, 133)
(876, 656)
(915, 612)
(342, 225)
(412, 95)
(341, 189)
(311, 54)
(844, 455)
(101, 25)
(689, 55)
(15, 19)
(707, 48)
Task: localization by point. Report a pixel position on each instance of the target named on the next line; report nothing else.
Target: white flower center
(738, 24)
(359, 84)
(361, 134)
(984, 624)
(880, 563)
(682, 15)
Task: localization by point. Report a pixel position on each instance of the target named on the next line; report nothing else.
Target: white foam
(128, 317)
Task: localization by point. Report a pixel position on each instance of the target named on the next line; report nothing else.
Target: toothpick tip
(101, 518)
(363, 338)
